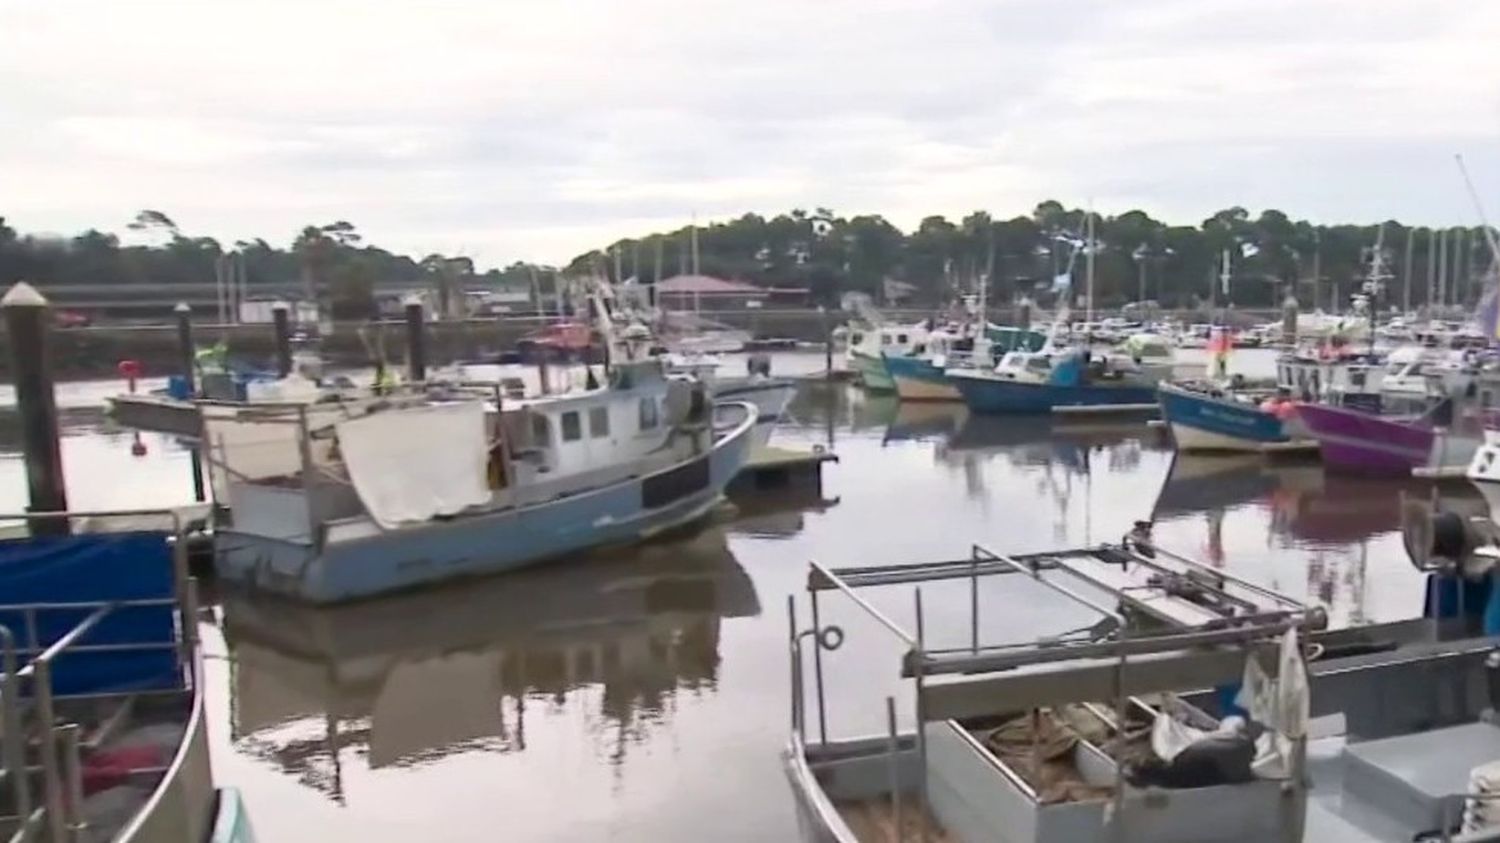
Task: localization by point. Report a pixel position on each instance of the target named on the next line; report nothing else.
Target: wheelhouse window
(901, 339)
(540, 431)
(599, 422)
(572, 426)
(650, 414)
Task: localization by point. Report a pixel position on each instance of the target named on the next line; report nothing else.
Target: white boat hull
(1197, 439)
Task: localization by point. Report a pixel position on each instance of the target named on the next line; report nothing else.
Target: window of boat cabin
(599, 422)
(856, 338)
(901, 339)
(650, 415)
(539, 431)
(572, 426)
(1357, 378)
(885, 339)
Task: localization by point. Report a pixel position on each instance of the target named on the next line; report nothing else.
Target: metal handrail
(61, 810)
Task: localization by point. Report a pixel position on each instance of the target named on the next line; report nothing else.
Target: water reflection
(406, 681)
(1343, 532)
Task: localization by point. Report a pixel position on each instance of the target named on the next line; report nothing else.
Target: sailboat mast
(1089, 310)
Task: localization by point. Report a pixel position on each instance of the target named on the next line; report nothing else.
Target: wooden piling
(416, 342)
(27, 321)
(185, 353)
(281, 323)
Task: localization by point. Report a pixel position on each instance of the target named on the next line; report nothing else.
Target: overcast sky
(538, 129)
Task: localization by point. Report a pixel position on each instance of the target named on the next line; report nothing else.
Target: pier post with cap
(416, 341)
(185, 352)
(281, 323)
(27, 320)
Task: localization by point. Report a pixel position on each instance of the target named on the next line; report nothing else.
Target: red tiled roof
(706, 285)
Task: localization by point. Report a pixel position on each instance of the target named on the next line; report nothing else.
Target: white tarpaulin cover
(412, 464)
(1282, 705)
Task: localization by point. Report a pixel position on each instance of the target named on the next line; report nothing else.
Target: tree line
(1136, 257)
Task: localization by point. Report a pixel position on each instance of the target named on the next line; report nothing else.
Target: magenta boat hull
(1367, 444)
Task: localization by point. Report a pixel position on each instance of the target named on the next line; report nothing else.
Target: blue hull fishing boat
(366, 500)
(923, 377)
(1044, 381)
(1204, 419)
(992, 396)
(920, 379)
(334, 502)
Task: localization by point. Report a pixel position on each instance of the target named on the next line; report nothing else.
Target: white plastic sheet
(1282, 705)
(410, 465)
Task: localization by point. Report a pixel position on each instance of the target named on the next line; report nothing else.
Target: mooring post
(827, 343)
(185, 352)
(416, 342)
(27, 317)
(281, 322)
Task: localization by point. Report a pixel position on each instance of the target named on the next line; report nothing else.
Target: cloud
(530, 130)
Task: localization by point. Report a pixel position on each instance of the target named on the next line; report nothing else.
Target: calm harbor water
(642, 694)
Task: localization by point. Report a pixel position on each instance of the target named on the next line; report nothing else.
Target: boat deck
(874, 821)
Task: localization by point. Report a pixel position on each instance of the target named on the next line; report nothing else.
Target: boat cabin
(1351, 380)
(895, 340)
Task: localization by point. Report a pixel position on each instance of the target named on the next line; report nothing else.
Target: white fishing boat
(334, 502)
(770, 395)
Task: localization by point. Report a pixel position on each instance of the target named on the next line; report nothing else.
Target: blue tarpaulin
(95, 569)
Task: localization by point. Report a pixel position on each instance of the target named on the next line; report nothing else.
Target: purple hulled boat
(1437, 443)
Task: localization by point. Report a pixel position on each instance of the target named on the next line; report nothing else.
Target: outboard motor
(1458, 554)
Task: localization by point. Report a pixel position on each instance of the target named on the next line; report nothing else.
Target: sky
(538, 129)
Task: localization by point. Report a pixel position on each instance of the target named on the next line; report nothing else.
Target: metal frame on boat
(183, 805)
(1153, 642)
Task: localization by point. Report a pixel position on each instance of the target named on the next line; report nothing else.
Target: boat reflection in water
(920, 420)
(1058, 458)
(1043, 442)
(410, 680)
(1292, 526)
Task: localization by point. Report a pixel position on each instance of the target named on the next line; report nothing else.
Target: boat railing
(29, 701)
(1135, 646)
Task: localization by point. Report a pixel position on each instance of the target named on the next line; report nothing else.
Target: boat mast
(1375, 281)
(1089, 272)
(1224, 276)
(984, 289)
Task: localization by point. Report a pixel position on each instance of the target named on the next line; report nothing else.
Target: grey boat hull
(487, 542)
